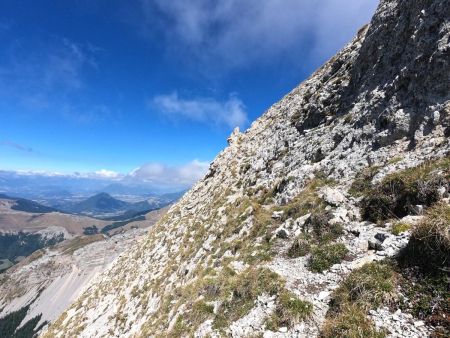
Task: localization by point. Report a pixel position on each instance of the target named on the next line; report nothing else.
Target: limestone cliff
(218, 264)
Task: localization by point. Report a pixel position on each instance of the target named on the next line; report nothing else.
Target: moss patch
(400, 227)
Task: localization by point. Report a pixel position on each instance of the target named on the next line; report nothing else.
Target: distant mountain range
(22, 204)
(105, 206)
(45, 187)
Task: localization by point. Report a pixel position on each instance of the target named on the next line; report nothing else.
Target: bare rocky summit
(303, 206)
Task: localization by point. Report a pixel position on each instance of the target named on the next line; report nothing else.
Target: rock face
(385, 95)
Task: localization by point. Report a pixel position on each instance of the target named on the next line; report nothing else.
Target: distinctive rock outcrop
(381, 101)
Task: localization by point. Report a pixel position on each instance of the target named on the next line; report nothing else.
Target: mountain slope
(99, 203)
(216, 264)
(22, 204)
(41, 286)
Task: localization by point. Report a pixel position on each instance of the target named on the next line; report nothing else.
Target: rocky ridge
(382, 101)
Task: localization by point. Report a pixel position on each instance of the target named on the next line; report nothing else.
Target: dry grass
(324, 257)
(397, 193)
(289, 311)
(365, 288)
(352, 322)
(400, 227)
(429, 245)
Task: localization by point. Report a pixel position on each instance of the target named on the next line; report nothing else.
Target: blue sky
(152, 87)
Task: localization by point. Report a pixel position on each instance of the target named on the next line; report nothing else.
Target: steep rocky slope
(223, 262)
(39, 288)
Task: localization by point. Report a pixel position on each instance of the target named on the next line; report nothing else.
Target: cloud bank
(230, 113)
(170, 176)
(151, 175)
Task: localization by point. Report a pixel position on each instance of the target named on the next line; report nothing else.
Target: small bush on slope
(367, 287)
(363, 289)
(352, 322)
(398, 192)
(430, 239)
(289, 311)
(324, 257)
(424, 266)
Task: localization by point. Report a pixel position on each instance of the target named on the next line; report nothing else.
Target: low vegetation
(317, 230)
(429, 245)
(365, 288)
(305, 201)
(427, 297)
(352, 322)
(362, 184)
(289, 311)
(424, 267)
(397, 194)
(324, 257)
(399, 227)
(240, 291)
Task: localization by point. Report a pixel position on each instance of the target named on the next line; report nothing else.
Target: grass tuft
(400, 227)
(367, 287)
(396, 195)
(289, 311)
(324, 257)
(429, 245)
(352, 322)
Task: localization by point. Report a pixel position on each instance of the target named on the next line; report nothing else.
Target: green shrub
(429, 245)
(368, 287)
(299, 248)
(398, 192)
(352, 322)
(240, 291)
(317, 230)
(324, 257)
(289, 311)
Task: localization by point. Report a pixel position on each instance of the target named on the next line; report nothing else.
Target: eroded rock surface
(385, 95)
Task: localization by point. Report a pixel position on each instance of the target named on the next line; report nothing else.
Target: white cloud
(104, 173)
(236, 33)
(230, 113)
(162, 175)
(158, 176)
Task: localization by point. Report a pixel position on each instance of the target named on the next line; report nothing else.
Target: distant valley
(27, 226)
(59, 248)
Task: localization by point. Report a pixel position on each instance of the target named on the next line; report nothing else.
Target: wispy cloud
(235, 33)
(162, 175)
(49, 77)
(17, 146)
(230, 113)
(152, 175)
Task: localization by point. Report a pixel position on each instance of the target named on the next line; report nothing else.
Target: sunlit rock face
(384, 96)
